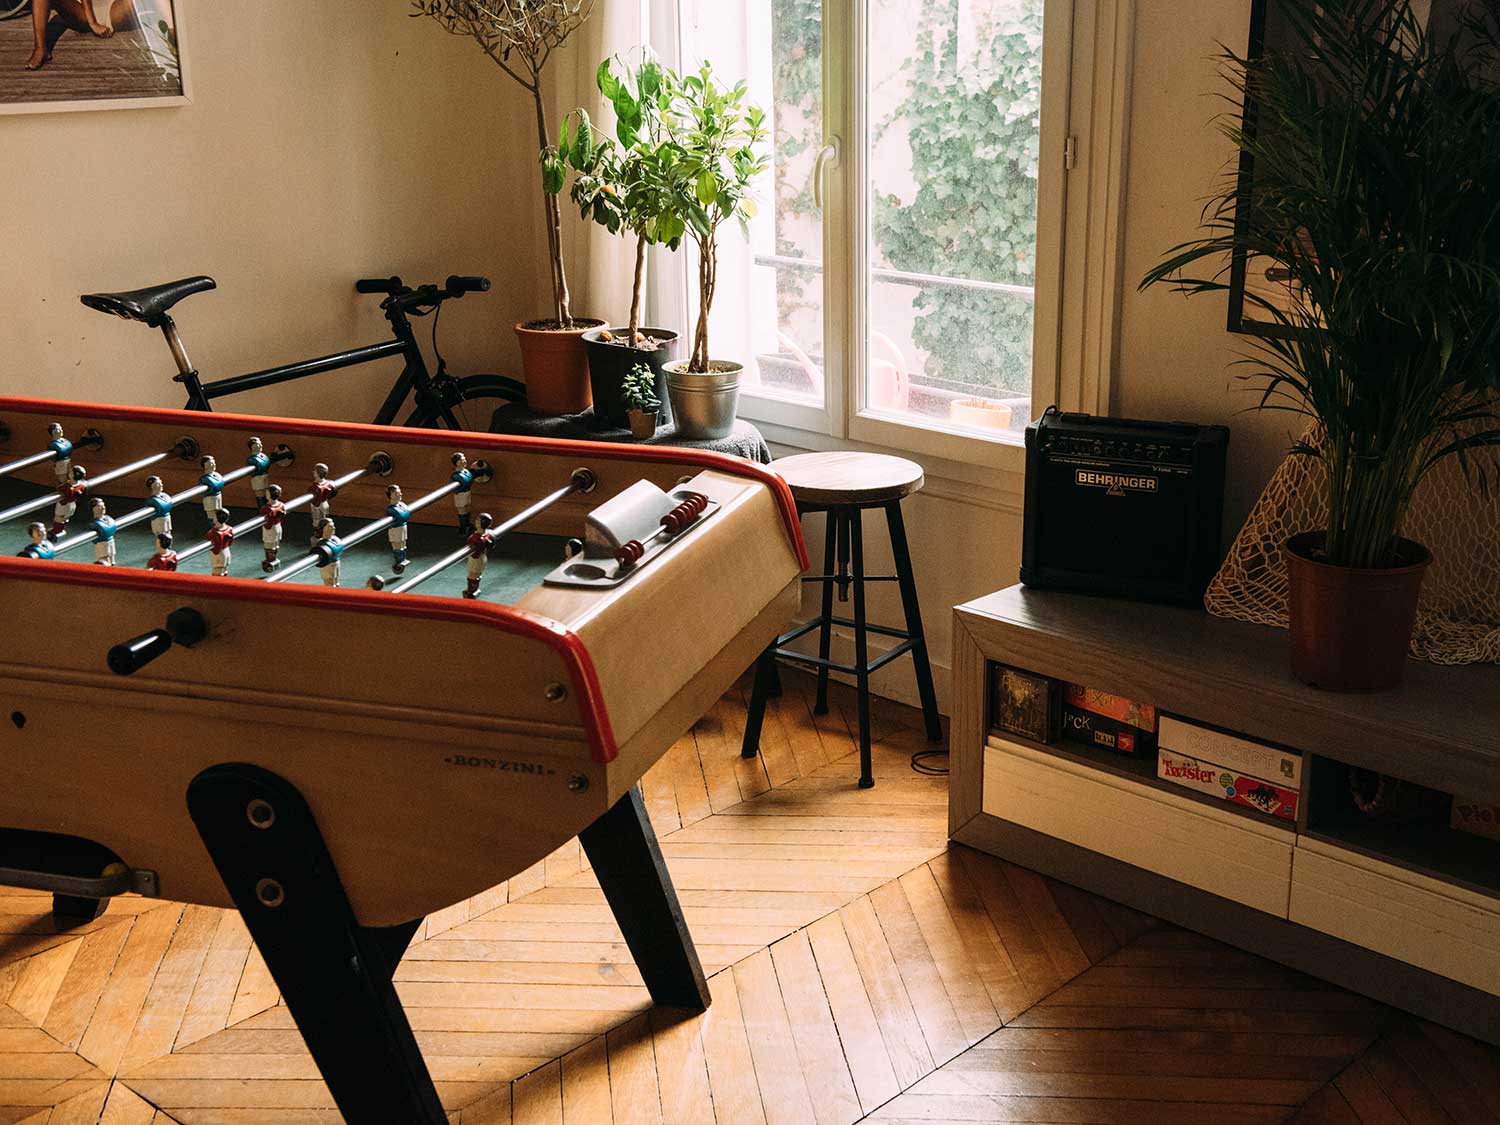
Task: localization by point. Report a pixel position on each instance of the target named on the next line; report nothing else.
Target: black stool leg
(861, 647)
(627, 861)
(833, 540)
(765, 676)
(908, 584)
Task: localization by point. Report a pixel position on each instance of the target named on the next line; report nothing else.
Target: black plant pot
(610, 362)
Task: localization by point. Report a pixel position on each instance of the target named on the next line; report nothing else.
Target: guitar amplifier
(1121, 507)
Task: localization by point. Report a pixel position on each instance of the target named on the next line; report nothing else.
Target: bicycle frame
(414, 376)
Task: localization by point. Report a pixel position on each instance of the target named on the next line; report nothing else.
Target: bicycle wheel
(473, 400)
(12, 8)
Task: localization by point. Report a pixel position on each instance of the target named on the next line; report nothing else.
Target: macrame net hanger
(1458, 619)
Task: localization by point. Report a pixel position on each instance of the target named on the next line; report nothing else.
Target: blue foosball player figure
(463, 476)
(330, 551)
(40, 546)
(62, 452)
(103, 525)
(261, 464)
(161, 502)
(214, 482)
(400, 514)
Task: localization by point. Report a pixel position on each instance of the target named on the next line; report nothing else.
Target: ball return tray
(624, 534)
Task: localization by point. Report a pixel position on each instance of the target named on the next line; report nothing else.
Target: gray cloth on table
(743, 441)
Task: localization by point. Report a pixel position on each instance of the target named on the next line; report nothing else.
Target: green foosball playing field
(517, 561)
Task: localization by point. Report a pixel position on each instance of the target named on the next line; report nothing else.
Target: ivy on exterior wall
(970, 118)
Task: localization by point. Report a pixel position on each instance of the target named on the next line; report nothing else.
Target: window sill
(997, 483)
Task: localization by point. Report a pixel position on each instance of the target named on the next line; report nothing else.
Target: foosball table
(339, 677)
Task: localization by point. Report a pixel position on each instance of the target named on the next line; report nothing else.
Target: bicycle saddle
(148, 305)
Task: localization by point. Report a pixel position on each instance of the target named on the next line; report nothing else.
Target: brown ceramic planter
(1351, 627)
(556, 366)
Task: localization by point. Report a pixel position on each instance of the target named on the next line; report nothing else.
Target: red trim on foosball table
(562, 640)
(604, 450)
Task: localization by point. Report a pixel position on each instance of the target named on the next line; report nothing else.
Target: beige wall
(321, 146)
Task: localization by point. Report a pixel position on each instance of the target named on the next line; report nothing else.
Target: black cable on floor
(919, 763)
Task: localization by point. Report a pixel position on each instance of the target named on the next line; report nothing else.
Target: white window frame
(1086, 72)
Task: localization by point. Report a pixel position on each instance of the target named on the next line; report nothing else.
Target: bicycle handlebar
(385, 285)
(458, 284)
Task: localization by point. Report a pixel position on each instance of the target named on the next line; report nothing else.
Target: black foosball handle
(184, 626)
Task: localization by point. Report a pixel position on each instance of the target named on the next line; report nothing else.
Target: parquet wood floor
(861, 969)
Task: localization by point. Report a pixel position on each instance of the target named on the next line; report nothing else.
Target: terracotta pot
(556, 366)
(609, 363)
(643, 424)
(1351, 627)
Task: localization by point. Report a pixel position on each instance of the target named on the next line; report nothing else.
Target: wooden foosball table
(339, 677)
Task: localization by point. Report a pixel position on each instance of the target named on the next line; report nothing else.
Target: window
(893, 298)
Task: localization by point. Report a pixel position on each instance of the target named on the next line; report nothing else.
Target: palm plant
(520, 36)
(1376, 195)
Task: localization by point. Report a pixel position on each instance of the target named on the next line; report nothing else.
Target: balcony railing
(906, 277)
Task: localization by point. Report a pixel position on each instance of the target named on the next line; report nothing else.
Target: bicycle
(457, 402)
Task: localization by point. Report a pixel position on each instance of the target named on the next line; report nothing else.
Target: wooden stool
(843, 485)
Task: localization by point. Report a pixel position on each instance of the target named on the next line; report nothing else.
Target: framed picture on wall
(1270, 31)
(60, 55)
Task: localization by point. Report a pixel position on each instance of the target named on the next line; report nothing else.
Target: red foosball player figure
(323, 493)
(67, 500)
(103, 525)
(273, 511)
(220, 536)
(464, 478)
(479, 542)
(40, 546)
(163, 558)
(330, 550)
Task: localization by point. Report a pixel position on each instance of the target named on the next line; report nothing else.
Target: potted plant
(1375, 172)
(520, 36)
(713, 132)
(627, 185)
(642, 402)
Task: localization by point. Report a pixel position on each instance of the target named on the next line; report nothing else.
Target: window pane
(954, 108)
(768, 308)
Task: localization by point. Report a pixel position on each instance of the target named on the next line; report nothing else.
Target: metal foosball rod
(164, 508)
(324, 555)
(59, 451)
(582, 480)
(185, 448)
(379, 464)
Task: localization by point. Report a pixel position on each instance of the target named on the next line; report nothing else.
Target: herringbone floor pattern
(860, 968)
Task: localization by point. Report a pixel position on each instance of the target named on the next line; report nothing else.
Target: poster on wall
(59, 55)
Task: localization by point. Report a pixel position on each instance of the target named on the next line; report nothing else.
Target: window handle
(827, 155)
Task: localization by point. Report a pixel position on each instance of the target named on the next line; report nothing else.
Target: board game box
(1110, 722)
(1229, 785)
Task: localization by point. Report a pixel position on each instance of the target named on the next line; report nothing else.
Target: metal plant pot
(703, 406)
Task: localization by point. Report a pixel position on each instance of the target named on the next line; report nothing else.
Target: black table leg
(913, 610)
(334, 974)
(626, 858)
(70, 911)
(765, 677)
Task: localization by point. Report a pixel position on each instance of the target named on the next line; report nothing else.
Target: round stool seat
(834, 479)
